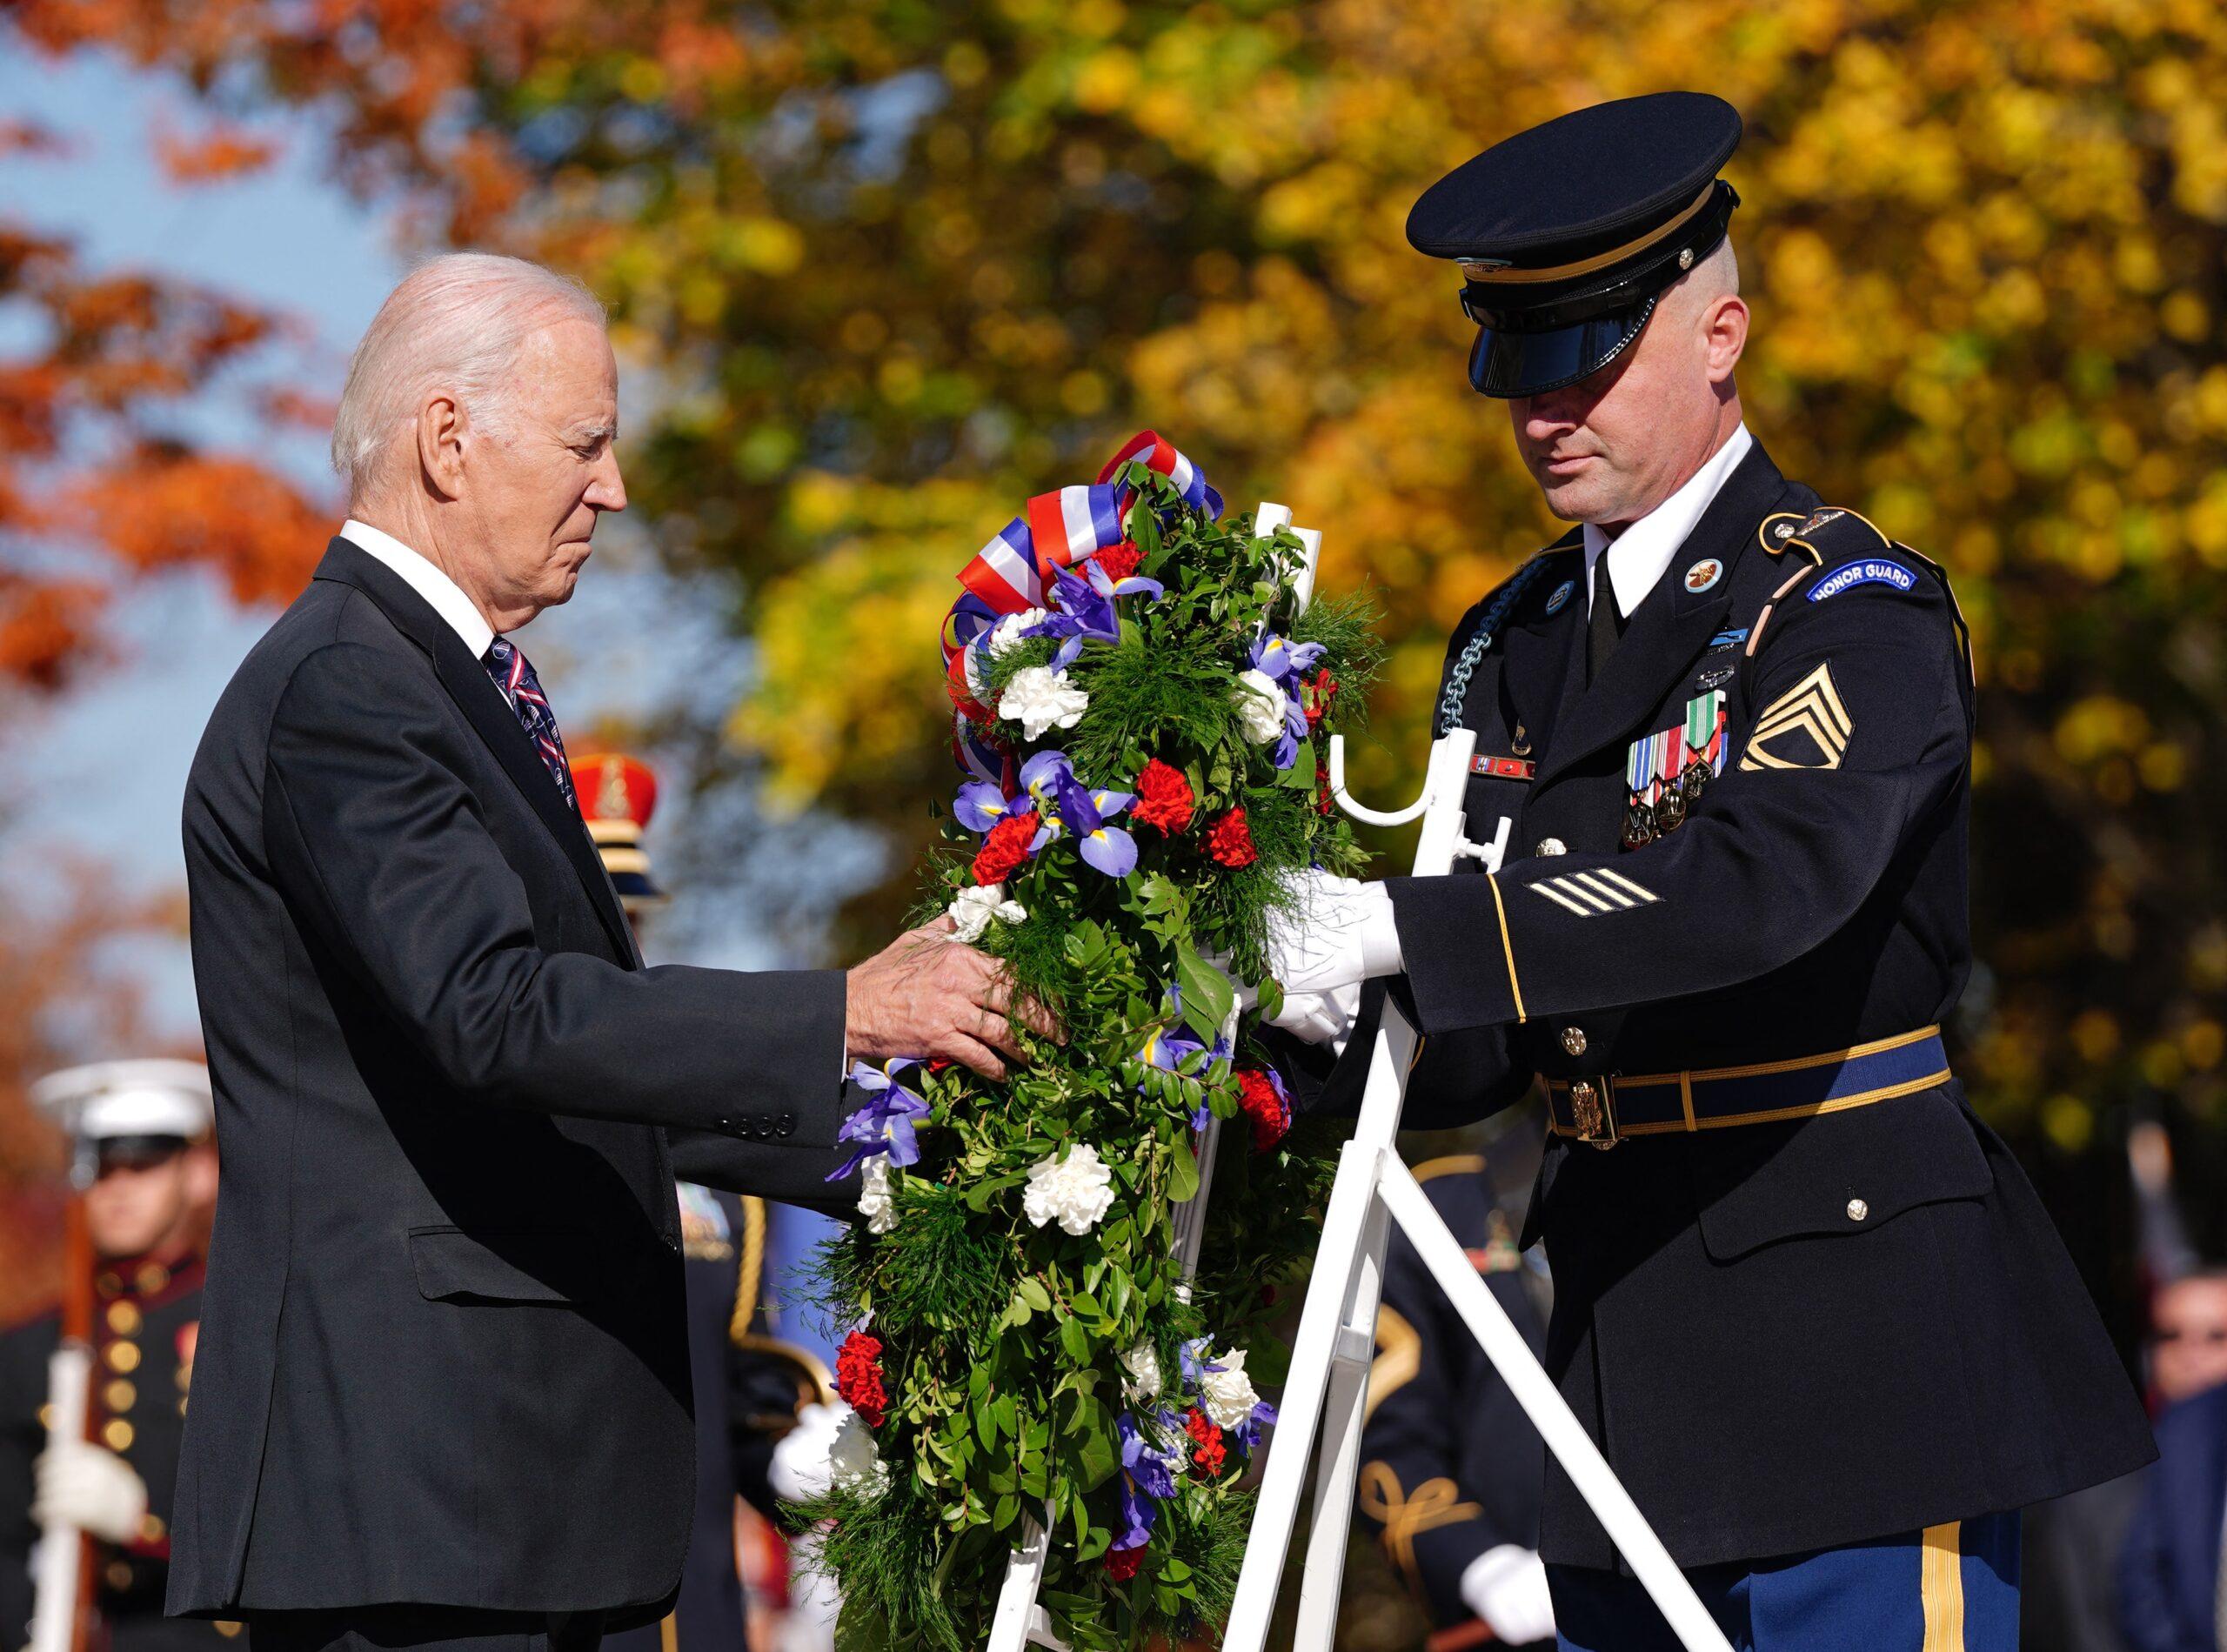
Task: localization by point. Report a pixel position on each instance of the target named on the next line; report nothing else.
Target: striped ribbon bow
(1011, 573)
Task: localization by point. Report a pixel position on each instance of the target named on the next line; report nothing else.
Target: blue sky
(110, 761)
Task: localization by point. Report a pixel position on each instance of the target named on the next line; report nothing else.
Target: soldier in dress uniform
(147, 1123)
(1450, 1467)
(760, 1401)
(1805, 1302)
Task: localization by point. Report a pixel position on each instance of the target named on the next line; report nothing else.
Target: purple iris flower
(1147, 1479)
(1284, 663)
(885, 1124)
(1086, 611)
(1194, 1362)
(1067, 806)
(1248, 1433)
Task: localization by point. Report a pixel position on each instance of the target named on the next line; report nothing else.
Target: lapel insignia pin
(1704, 574)
(1562, 595)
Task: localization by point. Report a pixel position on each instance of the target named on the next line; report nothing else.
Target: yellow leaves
(764, 246)
(1106, 80)
(2098, 726)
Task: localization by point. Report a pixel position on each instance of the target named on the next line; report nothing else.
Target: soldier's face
(1611, 447)
(139, 1205)
(2189, 1343)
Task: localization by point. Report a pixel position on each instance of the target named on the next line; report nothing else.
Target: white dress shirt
(1639, 554)
(446, 597)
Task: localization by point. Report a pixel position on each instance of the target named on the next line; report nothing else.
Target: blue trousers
(1947, 1588)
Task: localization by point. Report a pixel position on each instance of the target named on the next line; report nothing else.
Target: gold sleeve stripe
(1508, 948)
(1555, 894)
(1627, 885)
(1587, 881)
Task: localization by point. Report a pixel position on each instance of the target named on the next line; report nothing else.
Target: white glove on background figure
(1321, 1018)
(1334, 932)
(1507, 1588)
(89, 1486)
(803, 1465)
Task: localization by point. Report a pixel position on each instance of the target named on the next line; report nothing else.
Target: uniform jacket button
(1574, 1040)
(1857, 1210)
(1551, 845)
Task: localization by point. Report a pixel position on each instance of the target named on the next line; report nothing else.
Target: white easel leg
(1338, 1464)
(1542, 1403)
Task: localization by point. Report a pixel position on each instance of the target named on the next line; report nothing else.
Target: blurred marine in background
(146, 1124)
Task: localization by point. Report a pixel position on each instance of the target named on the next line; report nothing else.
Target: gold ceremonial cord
(1495, 275)
(1399, 1359)
(748, 1278)
(1436, 1502)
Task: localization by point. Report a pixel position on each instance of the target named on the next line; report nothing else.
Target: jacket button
(1551, 845)
(788, 1125)
(1857, 1210)
(1574, 1040)
(722, 1124)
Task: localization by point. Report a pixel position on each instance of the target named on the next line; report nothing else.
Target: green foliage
(1009, 1349)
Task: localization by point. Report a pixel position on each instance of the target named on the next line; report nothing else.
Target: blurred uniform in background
(762, 1404)
(1451, 1469)
(147, 1123)
(2169, 1573)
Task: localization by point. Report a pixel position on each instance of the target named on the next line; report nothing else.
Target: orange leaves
(46, 627)
(159, 509)
(222, 152)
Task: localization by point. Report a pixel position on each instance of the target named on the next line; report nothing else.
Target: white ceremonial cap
(143, 1098)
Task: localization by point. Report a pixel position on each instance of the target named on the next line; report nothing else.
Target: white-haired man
(442, 1396)
(1804, 1301)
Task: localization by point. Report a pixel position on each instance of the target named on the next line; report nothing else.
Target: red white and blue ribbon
(1011, 573)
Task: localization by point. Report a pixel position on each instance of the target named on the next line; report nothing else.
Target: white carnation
(875, 1202)
(1228, 1393)
(856, 1463)
(1143, 1380)
(1006, 636)
(971, 909)
(1039, 698)
(1260, 704)
(1075, 1191)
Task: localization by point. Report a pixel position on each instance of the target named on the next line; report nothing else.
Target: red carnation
(1006, 850)
(1231, 841)
(1163, 798)
(857, 1377)
(1264, 1107)
(1322, 799)
(1321, 691)
(1211, 1449)
(1120, 560)
(1122, 1564)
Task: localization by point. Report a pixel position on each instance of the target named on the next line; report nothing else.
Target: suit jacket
(443, 1358)
(1785, 1336)
(1451, 1467)
(2168, 1571)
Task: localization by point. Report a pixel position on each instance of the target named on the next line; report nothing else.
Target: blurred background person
(147, 1125)
(763, 1406)
(1451, 1469)
(2170, 1575)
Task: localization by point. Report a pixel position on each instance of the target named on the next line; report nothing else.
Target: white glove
(803, 1463)
(86, 1486)
(1506, 1587)
(1333, 932)
(1321, 1018)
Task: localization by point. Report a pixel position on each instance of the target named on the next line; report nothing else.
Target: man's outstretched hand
(927, 994)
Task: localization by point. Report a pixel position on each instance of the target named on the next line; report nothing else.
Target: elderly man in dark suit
(442, 1396)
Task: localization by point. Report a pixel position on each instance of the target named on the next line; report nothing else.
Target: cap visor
(1507, 365)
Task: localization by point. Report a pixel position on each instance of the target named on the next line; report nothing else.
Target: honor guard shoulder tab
(1835, 549)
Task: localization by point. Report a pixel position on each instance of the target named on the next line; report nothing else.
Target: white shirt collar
(1639, 554)
(446, 596)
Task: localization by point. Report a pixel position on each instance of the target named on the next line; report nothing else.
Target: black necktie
(1605, 627)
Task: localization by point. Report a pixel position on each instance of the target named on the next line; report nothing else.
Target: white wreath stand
(1327, 1388)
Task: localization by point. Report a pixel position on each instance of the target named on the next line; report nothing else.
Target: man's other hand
(927, 994)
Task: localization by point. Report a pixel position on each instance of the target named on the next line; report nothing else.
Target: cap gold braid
(1507, 275)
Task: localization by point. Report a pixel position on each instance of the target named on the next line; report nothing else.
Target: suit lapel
(1672, 624)
(490, 715)
(1535, 655)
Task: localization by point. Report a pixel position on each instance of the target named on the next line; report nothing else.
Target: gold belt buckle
(1593, 1112)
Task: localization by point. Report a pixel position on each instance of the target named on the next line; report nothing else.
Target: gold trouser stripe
(1490, 275)
(1508, 948)
(669, 1633)
(1940, 1588)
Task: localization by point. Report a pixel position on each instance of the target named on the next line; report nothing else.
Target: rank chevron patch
(1807, 727)
(1590, 893)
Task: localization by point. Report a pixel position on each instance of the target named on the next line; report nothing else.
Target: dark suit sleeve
(373, 832)
(23, 1390)
(1458, 1078)
(1863, 734)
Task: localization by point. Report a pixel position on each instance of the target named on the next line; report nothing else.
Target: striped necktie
(508, 666)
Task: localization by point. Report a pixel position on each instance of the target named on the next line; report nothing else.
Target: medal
(1639, 823)
(1670, 808)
